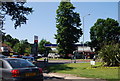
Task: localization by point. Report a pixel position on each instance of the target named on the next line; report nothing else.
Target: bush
(110, 54)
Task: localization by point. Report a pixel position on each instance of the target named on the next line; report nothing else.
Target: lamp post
(1, 28)
(83, 32)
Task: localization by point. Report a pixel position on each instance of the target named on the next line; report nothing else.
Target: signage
(35, 38)
(92, 62)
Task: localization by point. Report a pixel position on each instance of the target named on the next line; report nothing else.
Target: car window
(29, 58)
(15, 63)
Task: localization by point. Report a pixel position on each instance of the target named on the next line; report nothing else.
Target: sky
(42, 21)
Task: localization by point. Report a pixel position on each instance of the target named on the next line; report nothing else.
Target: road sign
(35, 38)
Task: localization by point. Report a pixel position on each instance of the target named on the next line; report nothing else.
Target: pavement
(70, 77)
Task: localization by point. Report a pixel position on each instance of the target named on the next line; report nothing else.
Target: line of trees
(23, 47)
(20, 47)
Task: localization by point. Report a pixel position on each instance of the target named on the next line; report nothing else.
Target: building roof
(5, 45)
(55, 45)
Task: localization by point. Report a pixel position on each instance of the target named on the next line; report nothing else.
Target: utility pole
(2, 19)
(83, 33)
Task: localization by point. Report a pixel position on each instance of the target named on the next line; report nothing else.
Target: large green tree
(104, 32)
(16, 10)
(68, 27)
(105, 38)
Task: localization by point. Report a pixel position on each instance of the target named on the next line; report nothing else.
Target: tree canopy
(41, 47)
(16, 10)
(104, 32)
(68, 27)
(105, 38)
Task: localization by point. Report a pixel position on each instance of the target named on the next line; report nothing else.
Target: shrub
(110, 54)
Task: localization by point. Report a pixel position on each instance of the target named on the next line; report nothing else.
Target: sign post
(35, 46)
(92, 63)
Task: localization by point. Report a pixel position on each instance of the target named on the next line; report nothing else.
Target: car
(2, 56)
(14, 56)
(39, 56)
(53, 55)
(18, 69)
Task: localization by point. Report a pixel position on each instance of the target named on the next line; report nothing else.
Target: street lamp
(83, 32)
(1, 27)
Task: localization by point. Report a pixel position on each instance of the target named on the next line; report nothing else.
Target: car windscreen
(20, 63)
(28, 58)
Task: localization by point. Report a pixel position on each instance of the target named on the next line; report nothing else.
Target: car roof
(11, 58)
(14, 55)
(27, 57)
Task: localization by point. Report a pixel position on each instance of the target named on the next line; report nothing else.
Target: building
(83, 51)
(6, 50)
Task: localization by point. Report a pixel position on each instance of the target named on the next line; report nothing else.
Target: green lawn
(85, 70)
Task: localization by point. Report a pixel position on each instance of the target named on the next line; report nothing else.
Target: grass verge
(86, 70)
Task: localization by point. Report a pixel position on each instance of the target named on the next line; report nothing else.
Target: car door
(6, 74)
(0, 70)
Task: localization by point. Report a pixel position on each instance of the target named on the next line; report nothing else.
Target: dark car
(2, 56)
(17, 69)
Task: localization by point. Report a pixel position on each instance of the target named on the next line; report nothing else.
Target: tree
(7, 39)
(19, 47)
(104, 32)
(68, 28)
(42, 49)
(14, 41)
(16, 10)
(16, 48)
(22, 47)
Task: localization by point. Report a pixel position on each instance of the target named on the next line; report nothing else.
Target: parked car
(14, 56)
(53, 55)
(39, 55)
(2, 56)
(17, 69)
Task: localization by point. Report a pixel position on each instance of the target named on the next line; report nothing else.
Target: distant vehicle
(17, 69)
(53, 55)
(39, 56)
(29, 58)
(2, 56)
(14, 56)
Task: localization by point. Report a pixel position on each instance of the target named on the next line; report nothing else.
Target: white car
(39, 56)
(53, 55)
